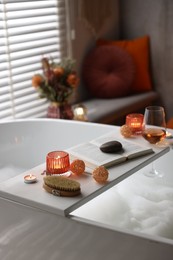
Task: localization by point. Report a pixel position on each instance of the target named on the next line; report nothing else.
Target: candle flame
(135, 124)
(168, 134)
(79, 111)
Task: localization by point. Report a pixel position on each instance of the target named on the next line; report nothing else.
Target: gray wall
(130, 19)
(154, 18)
(84, 39)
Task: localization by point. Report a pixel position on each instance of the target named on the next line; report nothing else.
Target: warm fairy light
(57, 162)
(135, 121)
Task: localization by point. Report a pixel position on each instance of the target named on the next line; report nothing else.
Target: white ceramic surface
(25, 143)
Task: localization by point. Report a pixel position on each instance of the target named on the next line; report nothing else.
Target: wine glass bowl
(154, 135)
(154, 124)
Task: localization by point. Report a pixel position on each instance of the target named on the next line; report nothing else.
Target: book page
(130, 149)
(92, 155)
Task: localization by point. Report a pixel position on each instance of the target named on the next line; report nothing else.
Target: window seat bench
(113, 111)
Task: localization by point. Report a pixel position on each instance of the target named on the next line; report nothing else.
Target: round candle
(57, 162)
(30, 178)
(80, 112)
(135, 121)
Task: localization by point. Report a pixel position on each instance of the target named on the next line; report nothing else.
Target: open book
(91, 154)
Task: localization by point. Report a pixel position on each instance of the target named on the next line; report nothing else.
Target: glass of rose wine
(154, 131)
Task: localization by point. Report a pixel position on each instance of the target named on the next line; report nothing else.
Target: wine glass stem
(153, 170)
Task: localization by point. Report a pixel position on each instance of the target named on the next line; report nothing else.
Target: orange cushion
(139, 50)
(170, 123)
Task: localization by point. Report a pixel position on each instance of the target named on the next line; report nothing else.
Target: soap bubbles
(138, 204)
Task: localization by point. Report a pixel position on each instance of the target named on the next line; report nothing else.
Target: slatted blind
(29, 30)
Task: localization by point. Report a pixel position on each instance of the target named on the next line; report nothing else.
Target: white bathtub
(29, 233)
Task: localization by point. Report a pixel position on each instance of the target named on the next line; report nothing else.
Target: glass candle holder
(80, 112)
(135, 121)
(57, 162)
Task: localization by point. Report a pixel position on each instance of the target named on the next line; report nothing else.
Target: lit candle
(135, 121)
(57, 162)
(80, 113)
(169, 135)
(30, 178)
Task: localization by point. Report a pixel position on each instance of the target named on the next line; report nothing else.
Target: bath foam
(138, 203)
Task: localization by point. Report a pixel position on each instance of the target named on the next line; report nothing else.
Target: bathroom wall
(85, 40)
(130, 19)
(154, 18)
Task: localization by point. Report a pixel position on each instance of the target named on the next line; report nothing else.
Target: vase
(60, 110)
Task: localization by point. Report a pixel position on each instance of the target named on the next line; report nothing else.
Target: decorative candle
(169, 135)
(134, 121)
(80, 112)
(57, 162)
(30, 178)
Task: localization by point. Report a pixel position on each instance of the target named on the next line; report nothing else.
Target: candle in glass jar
(80, 112)
(57, 162)
(135, 121)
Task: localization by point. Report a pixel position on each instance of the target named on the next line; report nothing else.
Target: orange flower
(58, 71)
(58, 81)
(73, 80)
(36, 80)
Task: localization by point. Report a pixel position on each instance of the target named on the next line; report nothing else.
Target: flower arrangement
(58, 81)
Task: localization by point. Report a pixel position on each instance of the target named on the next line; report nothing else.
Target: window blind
(29, 30)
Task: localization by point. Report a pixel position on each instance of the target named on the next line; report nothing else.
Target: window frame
(21, 59)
